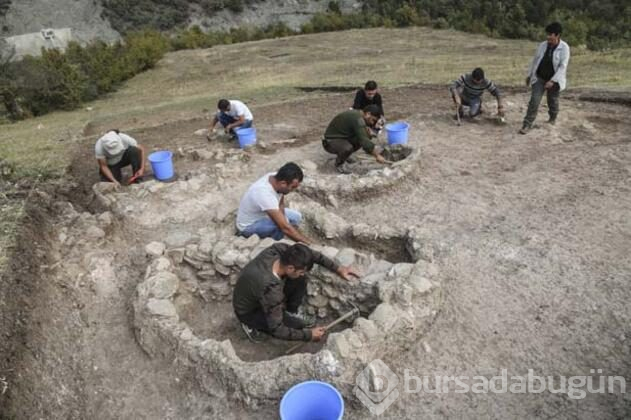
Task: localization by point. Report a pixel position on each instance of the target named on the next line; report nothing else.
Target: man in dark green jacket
(271, 287)
(348, 132)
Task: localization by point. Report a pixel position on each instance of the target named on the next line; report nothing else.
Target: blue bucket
(312, 400)
(162, 165)
(247, 136)
(397, 132)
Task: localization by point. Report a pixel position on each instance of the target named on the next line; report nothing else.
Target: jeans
(131, 156)
(266, 228)
(535, 99)
(474, 104)
(294, 290)
(340, 147)
(225, 119)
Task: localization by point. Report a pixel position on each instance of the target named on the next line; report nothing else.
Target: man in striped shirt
(468, 89)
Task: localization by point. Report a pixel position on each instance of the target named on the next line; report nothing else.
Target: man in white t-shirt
(232, 114)
(114, 151)
(262, 209)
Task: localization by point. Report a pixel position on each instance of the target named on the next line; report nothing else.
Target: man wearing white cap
(116, 150)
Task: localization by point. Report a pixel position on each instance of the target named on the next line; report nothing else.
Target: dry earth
(532, 233)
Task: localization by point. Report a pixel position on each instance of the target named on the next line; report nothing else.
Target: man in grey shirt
(114, 151)
(468, 89)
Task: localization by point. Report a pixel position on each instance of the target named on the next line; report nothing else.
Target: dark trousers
(225, 119)
(535, 99)
(340, 147)
(130, 157)
(295, 291)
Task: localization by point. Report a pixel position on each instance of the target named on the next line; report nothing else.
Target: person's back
(259, 198)
(345, 125)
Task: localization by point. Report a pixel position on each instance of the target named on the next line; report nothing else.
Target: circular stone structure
(368, 176)
(398, 301)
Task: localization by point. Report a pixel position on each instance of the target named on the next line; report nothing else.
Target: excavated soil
(532, 232)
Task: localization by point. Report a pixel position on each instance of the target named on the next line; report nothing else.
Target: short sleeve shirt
(112, 159)
(238, 109)
(258, 199)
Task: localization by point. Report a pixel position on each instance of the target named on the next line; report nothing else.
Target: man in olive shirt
(347, 133)
(271, 287)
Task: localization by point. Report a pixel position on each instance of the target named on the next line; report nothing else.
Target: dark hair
(370, 85)
(223, 104)
(288, 172)
(299, 256)
(478, 74)
(116, 130)
(373, 109)
(554, 28)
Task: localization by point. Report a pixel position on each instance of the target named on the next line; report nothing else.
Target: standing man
(262, 209)
(369, 95)
(547, 74)
(468, 90)
(114, 151)
(232, 114)
(271, 288)
(347, 133)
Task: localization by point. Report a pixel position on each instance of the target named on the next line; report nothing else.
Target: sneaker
(253, 335)
(299, 319)
(343, 169)
(524, 130)
(552, 121)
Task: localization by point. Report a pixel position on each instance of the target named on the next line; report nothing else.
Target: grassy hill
(186, 82)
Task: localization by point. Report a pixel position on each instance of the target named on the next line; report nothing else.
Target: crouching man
(271, 288)
(114, 151)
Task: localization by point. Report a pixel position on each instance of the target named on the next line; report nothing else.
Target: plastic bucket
(162, 164)
(397, 132)
(246, 136)
(312, 400)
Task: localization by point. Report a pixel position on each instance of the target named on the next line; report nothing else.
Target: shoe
(524, 130)
(343, 169)
(253, 335)
(299, 319)
(552, 121)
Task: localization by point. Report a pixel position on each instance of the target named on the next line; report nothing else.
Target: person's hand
(140, 172)
(528, 81)
(317, 333)
(117, 185)
(549, 85)
(380, 159)
(227, 129)
(347, 273)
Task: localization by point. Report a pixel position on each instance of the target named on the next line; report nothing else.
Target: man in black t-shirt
(369, 95)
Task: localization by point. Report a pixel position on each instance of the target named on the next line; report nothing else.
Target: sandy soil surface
(533, 231)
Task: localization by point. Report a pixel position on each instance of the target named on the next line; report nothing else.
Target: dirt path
(534, 232)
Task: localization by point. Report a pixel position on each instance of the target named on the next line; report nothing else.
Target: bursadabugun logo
(376, 387)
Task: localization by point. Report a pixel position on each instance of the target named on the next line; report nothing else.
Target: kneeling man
(271, 288)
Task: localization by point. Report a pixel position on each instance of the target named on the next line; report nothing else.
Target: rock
(266, 243)
(228, 258)
(202, 154)
(207, 274)
(94, 232)
(222, 269)
(353, 339)
(385, 316)
(332, 201)
(419, 283)
(330, 291)
(312, 289)
(329, 251)
(400, 270)
(198, 265)
(335, 305)
(160, 264)
(155, 249)
(161, 307)
(308, 166)
(322, 313)
(311, 310)
(104, 187)
(338, 344)
(220, 289)
(180, 239)
(367, 329)
(318, 301)
(162, 285)
(176, 255)
(233, 279)
(154, 186)
(249, 243)
(345, 257)
(242, 260)
(202, 132)
(105, 219)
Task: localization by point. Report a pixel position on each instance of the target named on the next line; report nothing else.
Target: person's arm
(214, 122)
(281, 204)
(272, 302)
(453, 88)
(561, 71)
(141, 170)
(495, 91)
(533, 63)
(368, 146)
(357, 103)
(281, 221)
(106, 170)
(238, 122)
